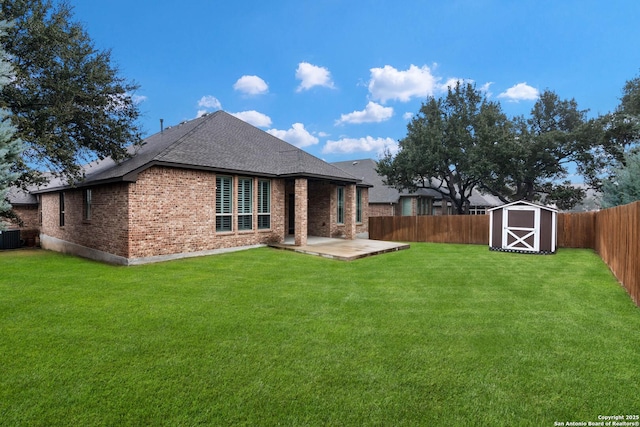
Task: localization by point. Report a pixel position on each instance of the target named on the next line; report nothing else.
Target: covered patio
(341, 249)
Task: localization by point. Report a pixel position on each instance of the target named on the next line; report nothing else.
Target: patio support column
(301, 202)
(350, 212)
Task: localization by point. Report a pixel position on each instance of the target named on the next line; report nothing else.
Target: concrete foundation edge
(58, 245)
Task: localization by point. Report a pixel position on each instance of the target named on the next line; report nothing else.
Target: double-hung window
(340, 219)
(245, 204)
(224, 203)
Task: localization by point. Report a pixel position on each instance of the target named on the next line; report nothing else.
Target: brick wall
(320, 193)
(29, 216)
(382, 209)
(173, 211)
(363, 227)
(107, 230)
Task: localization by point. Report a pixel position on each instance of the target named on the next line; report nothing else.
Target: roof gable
(525, 203)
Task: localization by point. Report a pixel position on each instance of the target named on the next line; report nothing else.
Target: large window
(424, 206)
(340, 219)
(224, 203)
(245, 204)
(358, 204)
(407, 206)
(264, 204)
(61, 206)
(86, 205)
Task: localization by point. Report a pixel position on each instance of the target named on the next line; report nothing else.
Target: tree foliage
(10, 146)
(532, 165)
(448, 145)
(68, 101)
(623, 186)
(611, 137)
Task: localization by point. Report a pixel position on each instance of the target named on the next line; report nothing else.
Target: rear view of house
(207, 185)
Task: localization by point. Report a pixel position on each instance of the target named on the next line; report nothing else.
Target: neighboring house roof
(218, 142)
(480, 199)
(18, 196)
(365, 169)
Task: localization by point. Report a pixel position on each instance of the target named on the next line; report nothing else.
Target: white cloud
(209, 101)
(253, 117)
(520, 92)
(312, 75)
(366, 144)
(485, 88)
(251, 85)
(138, 99)
(408, 115)
(201, 113)
(297, 135)
(372, 113)
(452, 82)
(388, 83)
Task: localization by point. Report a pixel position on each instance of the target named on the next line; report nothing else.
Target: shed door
(521, 228)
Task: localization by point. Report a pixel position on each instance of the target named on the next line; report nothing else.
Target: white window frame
(224, 204)
(264, 204)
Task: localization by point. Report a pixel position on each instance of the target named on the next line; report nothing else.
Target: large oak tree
(534, 164)
(68, 101)
(449, 146)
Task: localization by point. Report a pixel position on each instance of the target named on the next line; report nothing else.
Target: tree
(448, 146)
(68, 102)
(623, 186)
(611, 137)
(10, 146)
(532, 164)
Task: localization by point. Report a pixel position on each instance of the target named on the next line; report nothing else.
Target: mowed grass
(434, 335)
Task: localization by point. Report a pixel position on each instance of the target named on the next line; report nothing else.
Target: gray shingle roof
(218, 142)
(365, 169)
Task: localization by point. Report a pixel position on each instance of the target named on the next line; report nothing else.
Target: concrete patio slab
(341, 249)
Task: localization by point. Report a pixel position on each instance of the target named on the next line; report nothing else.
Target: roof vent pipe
(161, 125)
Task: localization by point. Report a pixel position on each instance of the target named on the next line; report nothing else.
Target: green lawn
(435, 335)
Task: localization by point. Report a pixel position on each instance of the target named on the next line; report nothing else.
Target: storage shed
(523, 227)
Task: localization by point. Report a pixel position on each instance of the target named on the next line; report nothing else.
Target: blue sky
(341, 79)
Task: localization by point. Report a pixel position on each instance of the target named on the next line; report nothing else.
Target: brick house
(201, 187)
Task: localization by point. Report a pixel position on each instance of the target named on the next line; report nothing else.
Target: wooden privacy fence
(470, 229)
(613, 233)
(617, 241)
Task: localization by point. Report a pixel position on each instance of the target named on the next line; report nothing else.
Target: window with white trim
(264, 204)
(245, 204)
(224, 203)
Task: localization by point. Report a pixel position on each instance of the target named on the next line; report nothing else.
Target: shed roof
(524, 202)
(217, 142)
